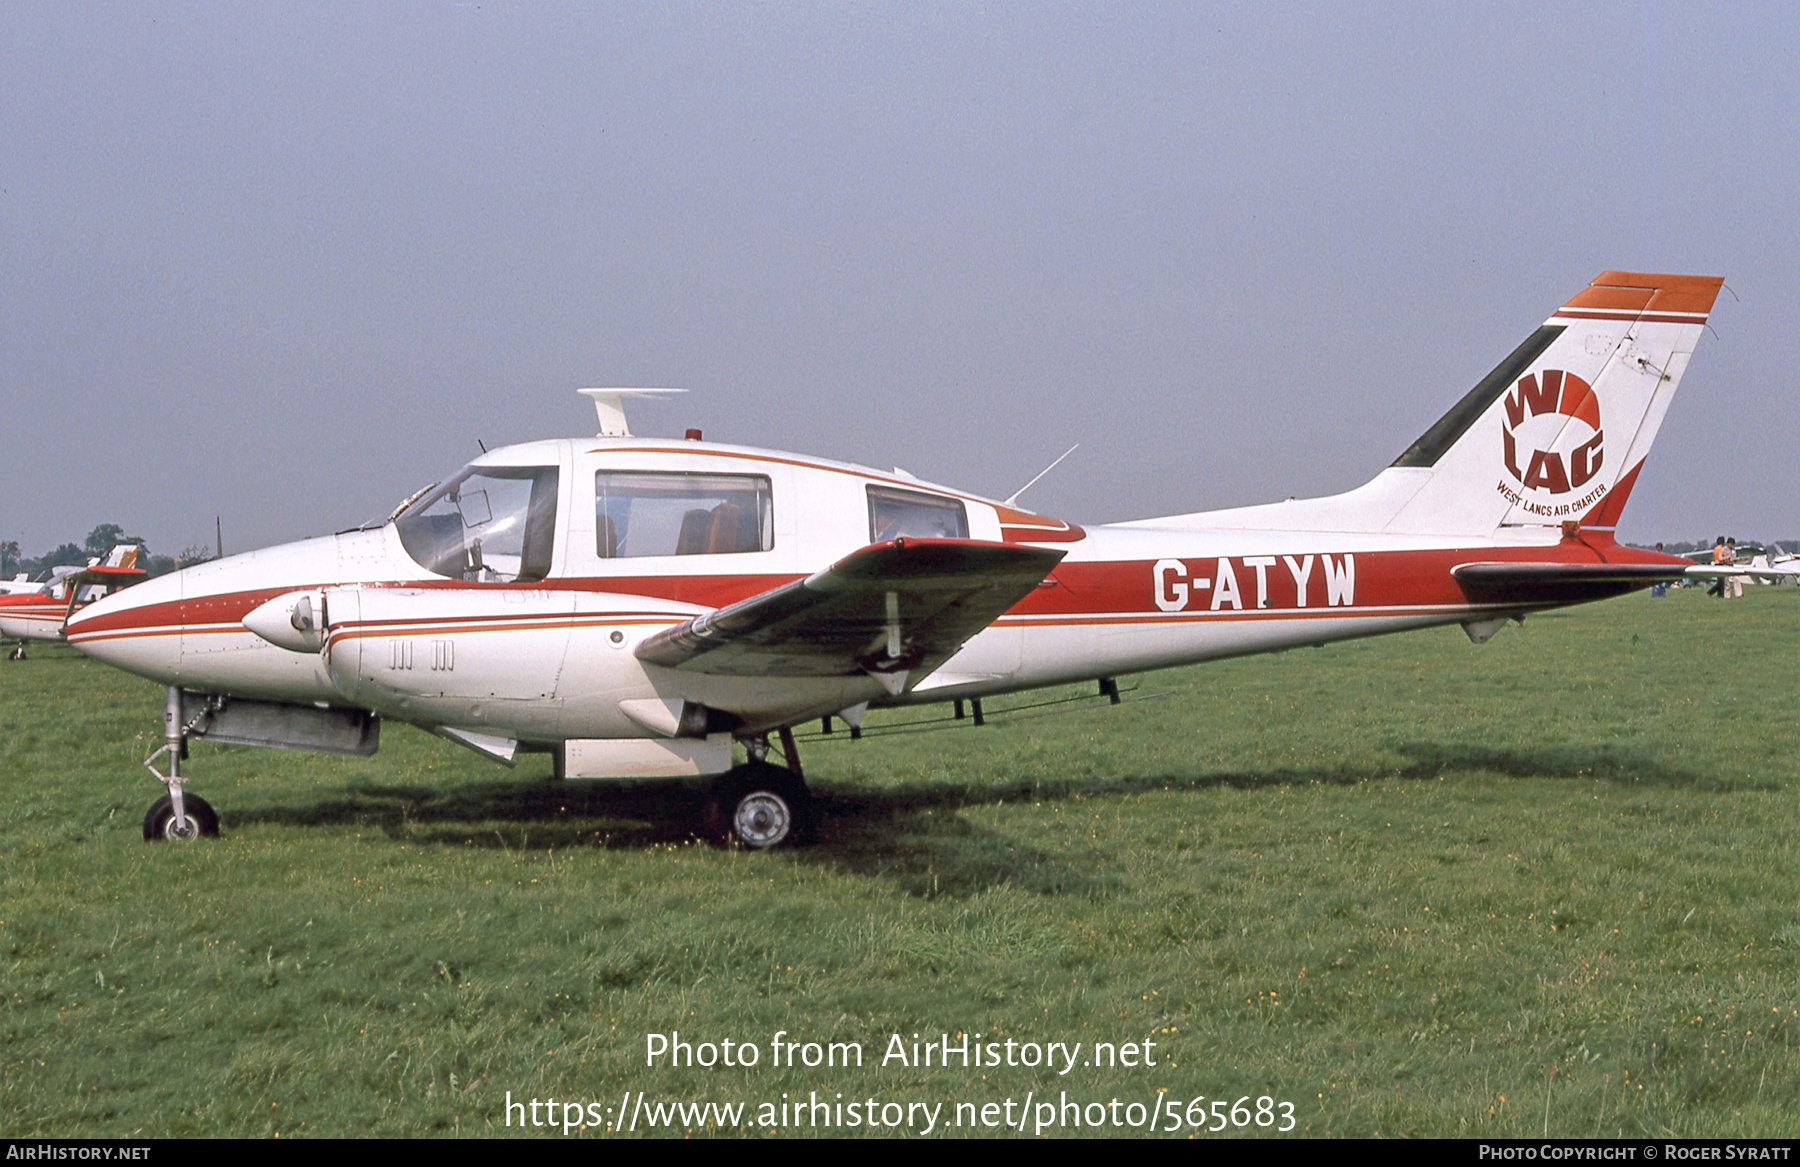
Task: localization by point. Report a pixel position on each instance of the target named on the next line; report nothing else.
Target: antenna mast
(1015, 494)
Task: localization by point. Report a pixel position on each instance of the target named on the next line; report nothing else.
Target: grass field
(1410, 885)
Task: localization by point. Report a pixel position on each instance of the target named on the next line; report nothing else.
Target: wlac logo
(1573, 413)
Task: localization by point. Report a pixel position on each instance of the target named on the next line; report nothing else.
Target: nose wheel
(177, 816)
(199, 820)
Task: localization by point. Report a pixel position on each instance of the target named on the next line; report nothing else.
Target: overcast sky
(285, 263)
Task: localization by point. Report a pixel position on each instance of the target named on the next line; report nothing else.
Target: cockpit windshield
(489, 524)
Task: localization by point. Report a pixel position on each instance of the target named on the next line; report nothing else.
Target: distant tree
(9, 557)
(106, 536)
(100, 540)
(199, 553)
(66, 555)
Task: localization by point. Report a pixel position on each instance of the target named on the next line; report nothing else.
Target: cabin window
(489, 524)
(893, 513)
(638, 515)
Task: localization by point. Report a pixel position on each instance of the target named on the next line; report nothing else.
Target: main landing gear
(176, 816)
(760, 805)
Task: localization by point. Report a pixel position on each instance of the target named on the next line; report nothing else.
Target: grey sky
(286, 263)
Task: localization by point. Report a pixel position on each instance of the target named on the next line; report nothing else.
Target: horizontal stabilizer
(1559, 583)
(889, 609)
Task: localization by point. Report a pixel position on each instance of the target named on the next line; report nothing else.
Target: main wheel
(159, 822)
(760, 806)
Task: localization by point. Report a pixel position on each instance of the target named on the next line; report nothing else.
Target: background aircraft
(39, 611)
(1770, 566)
(635, 607)
(1777, 566)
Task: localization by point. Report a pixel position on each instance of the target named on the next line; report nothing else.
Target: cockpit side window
(489, 524)
(893, 513)
(643, 514)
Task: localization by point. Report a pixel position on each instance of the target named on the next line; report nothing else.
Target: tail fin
(1559, 430)
(1556, 433)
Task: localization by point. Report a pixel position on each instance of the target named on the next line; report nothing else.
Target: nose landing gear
(176, 816)
(198, 819)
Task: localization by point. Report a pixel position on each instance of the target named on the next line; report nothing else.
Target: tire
(159, 822)
(759, 807)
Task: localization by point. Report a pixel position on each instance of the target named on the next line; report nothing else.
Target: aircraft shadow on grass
(914, 838)
(910, 833)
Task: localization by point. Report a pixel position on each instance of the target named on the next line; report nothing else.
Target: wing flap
(890, 610)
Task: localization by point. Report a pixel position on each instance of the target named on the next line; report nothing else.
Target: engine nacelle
(532, 664)
(544, 665)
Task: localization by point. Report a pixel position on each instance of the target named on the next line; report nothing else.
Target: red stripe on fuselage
(230, 608)
(1073, 534)
(35, 608)
(446, 625)
(1383, 579)
(1087, 591)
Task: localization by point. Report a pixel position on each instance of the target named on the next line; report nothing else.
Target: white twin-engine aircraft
(634, 606)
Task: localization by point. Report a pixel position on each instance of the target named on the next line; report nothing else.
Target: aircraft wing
(1708, 571)
(889, 610)
(104, 574)
(1561, 583)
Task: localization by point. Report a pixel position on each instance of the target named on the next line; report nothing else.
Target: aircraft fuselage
(551, 658)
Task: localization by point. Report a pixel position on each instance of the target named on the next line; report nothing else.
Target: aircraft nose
(137, 629)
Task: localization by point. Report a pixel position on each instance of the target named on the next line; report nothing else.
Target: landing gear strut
(177, 816)
(760, 805)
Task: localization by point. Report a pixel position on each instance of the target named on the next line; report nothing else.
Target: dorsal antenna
(609, 405)
(1013, 501)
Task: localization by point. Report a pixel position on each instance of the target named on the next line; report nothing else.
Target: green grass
(1413, 886)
